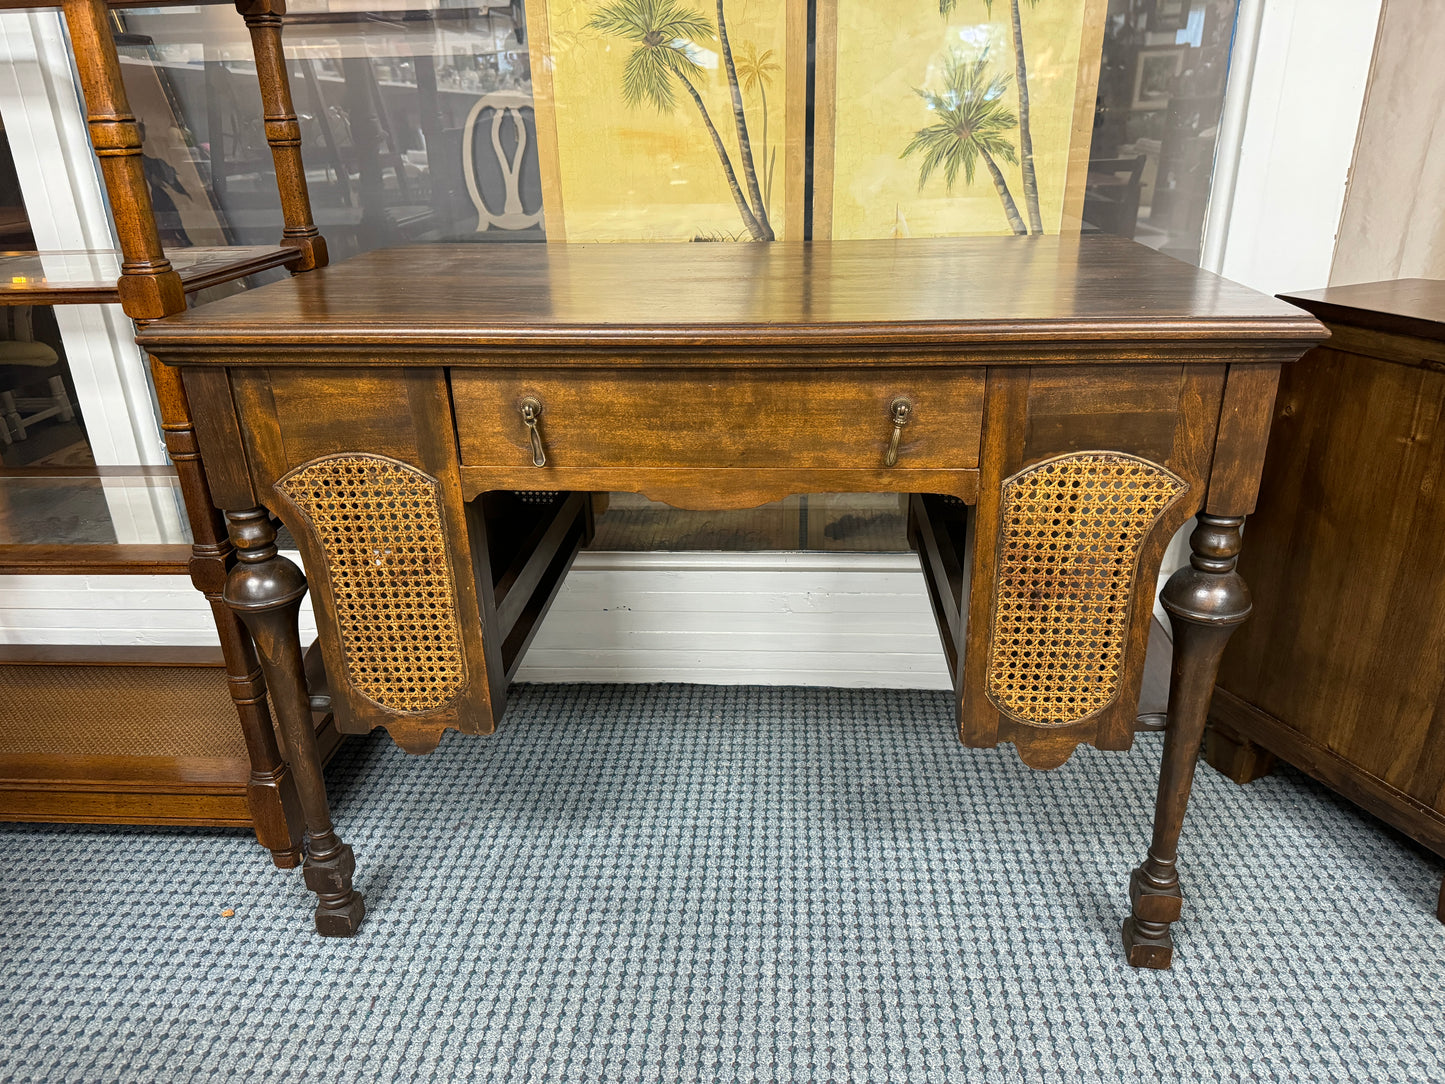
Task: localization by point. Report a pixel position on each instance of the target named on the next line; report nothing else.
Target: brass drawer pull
(902, 411)
(531, 408)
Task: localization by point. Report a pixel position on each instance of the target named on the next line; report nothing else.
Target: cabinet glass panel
(40, 420)
(99, 506)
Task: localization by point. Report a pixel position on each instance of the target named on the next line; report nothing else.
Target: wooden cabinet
(1341, 669)
(136, 768)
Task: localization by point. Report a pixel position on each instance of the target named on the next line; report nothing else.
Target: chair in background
(26, 365)
(1111, 194)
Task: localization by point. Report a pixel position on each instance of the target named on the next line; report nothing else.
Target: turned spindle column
(265, 591)
(1206, 600)
(149, 286)
(264, 19)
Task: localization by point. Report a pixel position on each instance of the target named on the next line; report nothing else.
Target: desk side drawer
(785, 418)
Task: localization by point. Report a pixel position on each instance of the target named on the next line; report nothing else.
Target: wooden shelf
(41, 5)
(89, 277)
(40, 509)
(128, 736)
(115, 560)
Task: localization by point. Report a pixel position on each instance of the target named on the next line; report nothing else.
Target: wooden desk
(1065, 406)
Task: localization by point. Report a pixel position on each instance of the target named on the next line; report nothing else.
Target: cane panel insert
(379, 526)
(1070, 533)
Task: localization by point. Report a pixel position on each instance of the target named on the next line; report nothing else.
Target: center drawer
(764, 418)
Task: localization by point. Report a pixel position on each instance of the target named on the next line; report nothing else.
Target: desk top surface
(924, 293)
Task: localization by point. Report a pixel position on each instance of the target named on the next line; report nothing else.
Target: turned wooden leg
(1205, 601)
(265, 591)
(270, 792)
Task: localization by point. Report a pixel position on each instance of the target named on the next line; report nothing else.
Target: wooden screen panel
(291, 418)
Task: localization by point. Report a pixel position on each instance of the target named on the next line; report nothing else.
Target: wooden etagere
(152, 283)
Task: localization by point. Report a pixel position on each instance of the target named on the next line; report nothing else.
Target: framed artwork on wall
(945, 124)
(185, 211)
(1168, 15)
(1154, 73)
(672, 120)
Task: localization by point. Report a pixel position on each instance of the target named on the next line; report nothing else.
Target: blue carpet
(659, 883)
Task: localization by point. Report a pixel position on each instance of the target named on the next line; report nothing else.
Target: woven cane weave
(1069, 538)
(378, 522)
(137, 711)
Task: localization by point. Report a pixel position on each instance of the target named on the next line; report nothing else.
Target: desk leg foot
(265, 590)
(1206, 600)
(1153, 907)
(339, 909)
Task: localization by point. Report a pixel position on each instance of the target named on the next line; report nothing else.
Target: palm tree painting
(972, 124)
(1026, 139)
(756, 71)
(664, 59)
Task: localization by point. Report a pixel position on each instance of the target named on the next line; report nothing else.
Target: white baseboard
(848, 619)
(838, 619)
(853, 620)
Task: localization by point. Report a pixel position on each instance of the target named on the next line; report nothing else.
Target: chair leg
(62, 400)
(11, 410)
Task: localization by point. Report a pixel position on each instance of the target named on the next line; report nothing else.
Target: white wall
(1394, 219)
(1274, 226)
(856, 620)
(113, 611)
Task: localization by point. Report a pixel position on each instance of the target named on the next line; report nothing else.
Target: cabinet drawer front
(787, 418)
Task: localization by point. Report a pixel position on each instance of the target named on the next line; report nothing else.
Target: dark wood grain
(227, 473)
(1410, 307)
(1244, 418)
(265, 591)
(1048, 296)
(725, 376)
(1339, 670)
(1163, 413)
(123, 560)
(110, 655)
(149, 286)
(1206, 601)
(719, 419)
(283, 132)
(24, 279)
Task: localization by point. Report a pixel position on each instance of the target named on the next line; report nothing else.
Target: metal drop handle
(901, 410)
(531, 408)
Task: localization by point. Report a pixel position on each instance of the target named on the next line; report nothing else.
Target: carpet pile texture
(693, 883)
